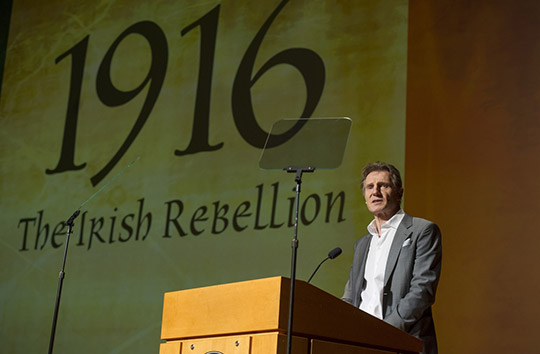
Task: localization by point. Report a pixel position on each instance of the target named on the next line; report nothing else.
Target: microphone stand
(294, 246)
(61, 276)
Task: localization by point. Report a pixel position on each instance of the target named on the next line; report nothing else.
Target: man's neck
(381, 218)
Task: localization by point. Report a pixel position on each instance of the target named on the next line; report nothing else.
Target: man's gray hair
(395, 177)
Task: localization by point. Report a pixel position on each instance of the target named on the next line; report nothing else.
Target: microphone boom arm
(331, 255)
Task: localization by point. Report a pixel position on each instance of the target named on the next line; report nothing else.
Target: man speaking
(396, 266)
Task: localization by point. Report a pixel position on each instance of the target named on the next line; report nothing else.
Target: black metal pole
(294, 246)
(61, 276)
(69, 224)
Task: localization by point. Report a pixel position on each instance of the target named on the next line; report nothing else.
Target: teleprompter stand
(70, 223)
(299, 146)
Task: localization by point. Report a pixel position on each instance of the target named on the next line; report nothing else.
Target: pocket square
(406, 243)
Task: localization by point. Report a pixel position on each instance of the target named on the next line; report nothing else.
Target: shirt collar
(393, 222)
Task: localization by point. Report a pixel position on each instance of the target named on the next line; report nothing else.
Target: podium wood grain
(261, 306)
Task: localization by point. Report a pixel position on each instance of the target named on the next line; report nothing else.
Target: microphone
(334, 253)
(331, 255)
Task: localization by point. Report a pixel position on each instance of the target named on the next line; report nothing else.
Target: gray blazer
(410, 280)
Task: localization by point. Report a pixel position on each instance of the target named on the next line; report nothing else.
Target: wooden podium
(251, 317)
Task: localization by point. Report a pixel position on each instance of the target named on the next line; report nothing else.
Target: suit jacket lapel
(403, 231)
(363, 253)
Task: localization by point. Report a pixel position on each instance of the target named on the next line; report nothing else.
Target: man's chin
(376, 209)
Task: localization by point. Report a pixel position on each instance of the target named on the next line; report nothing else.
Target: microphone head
(334, 253)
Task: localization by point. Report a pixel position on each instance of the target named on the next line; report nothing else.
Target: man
(396, 267)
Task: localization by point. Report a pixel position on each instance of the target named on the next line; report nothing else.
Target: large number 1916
(304, 60)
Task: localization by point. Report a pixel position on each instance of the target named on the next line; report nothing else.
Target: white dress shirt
(377, 257)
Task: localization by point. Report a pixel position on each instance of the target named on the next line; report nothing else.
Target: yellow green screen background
(447, 91)
(194, 209)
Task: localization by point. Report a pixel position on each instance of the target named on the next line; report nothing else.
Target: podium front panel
(225, 345)
(262, 343)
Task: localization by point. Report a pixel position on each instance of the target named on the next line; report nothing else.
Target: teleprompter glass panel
(306, 142)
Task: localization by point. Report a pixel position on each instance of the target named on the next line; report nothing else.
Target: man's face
(382, 199)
